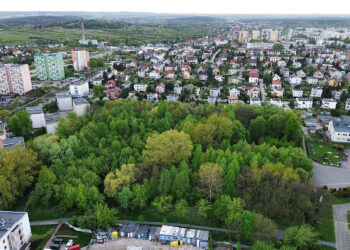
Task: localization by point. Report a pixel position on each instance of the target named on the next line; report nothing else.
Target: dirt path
(53, 236)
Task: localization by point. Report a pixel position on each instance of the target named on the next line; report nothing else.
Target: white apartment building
(81, 58)
(79, 89)
(328, 104)
(80, 106)
(312, 80)
(37, 116)
(339, 131)
(214, 92)
(316, 93)
(15, 79)
(64, 101)
(15, 230)
(303, 103)
(140, 87)
(297, 93)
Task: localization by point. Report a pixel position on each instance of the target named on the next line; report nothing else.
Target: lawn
(83, 238)
(37, 214)
(325, 227)
(40, 235)
(349, 219)
(151, 214)
(323, 151)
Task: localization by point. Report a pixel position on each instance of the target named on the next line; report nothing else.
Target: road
(341, 227)
(332, 177)
(214, 56)
(262, 91)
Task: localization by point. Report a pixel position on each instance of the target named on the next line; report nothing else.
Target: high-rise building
(274, 36)
(15, 230)
(81, 58)
(49, 67)
(15, 79)
(256, 35)
(243, 36)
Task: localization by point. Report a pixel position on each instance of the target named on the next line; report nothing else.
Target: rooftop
(80, 101)
(8, 219)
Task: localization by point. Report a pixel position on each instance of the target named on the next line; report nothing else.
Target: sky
(185, 6)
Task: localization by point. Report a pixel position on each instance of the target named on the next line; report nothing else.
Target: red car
(75, 247)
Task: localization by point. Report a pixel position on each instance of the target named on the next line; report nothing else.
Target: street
(341, 226)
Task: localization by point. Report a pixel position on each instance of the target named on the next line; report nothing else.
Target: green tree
(204, 208)
(258, 129)
(20, 124)
(163, 203)
(106, 217)
(167, 149)
(17, 169)
(99, 91)
(165, 182)
(116, 180)
(211, 179)
(181, 185)
(181, 208)
(302, 237)
(125, 197)
(141, 195)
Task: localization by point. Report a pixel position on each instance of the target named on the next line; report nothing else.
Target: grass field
(83, 238)
(40, 235)
(129, 34)
(323, 151)
(151, 214)
(325, 227)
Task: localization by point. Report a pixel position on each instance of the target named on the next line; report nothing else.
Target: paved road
(49, 222)
(342, 232)
(262, 91)
(332, 177)
(213, 57)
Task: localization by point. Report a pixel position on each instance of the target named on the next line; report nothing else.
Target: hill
(37, 20)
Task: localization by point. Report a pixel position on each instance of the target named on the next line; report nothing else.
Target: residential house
(169, 74)
(328, 104)
(154, 74)
(234, 91)
(294, 80)
(316, 92)
(336, 94)
(152, 97)
(278, 92)
(214, 92)
(172, 98)
(297, 93)
(140, 87)
(253, 92)
(160, 88)
(114, 93)
(253, 76)
(276, 102)
(312, 80)
(301, 74)
(318, 74)
(186, 75)
(255, 101)
(333, 82)
(347, 104)
(303, 103)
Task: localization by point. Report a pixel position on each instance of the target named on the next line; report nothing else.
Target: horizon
(206, 7)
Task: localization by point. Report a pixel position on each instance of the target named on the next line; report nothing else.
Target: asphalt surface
(332, 177)
(342, 232)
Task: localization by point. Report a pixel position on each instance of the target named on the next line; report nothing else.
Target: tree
(17, 169)
(106, 217)
(258, 129)
(125, 197)
(116, 180)
(141, 195)
(163, 203)
(292, 130)
(165, 182)
(181, 185)
(181, 208)
(204, 208)
(99, 91)
(302, 237)
(20, 124)
(211, 179)
(166, 149)
(247, 222)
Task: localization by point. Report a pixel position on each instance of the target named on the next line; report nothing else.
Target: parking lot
(124, 243)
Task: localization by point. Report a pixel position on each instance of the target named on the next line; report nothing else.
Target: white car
(69, 244)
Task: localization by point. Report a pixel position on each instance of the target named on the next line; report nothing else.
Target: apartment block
(15, 230)
(49, 67)
(81, 58)
(15, 79)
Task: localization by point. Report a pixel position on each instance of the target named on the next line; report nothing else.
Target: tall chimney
(82, 28)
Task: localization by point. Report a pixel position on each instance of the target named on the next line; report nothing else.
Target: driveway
(342, 232)
(332, 177)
